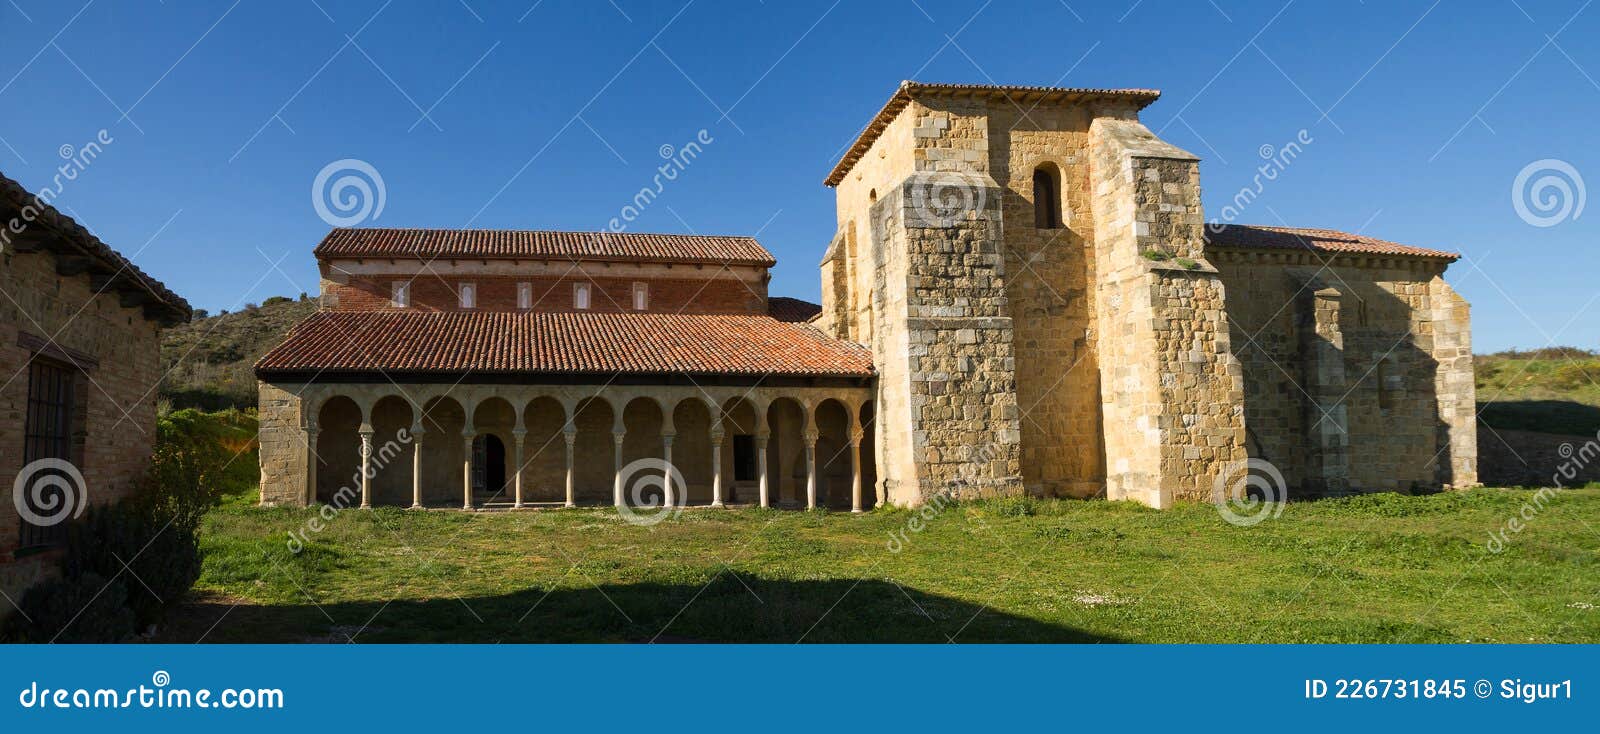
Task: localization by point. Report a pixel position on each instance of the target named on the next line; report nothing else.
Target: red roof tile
(565, 342)
(792, 309)
(541, 244)
(1318, 240)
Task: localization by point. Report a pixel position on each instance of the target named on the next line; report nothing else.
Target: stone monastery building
(1022, 295)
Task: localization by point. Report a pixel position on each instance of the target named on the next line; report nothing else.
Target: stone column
(616, 461)
(517, 434)
(366, 467)
(855, 469)
(311, 464)
(761, 468)
(668, 497)
(466, 471)
(717, 437)
(416, 467)
(571, 435)
(811, 470)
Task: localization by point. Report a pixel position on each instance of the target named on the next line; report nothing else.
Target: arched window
(1046, 197)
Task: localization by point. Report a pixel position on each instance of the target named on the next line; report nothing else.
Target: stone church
(1022, 296)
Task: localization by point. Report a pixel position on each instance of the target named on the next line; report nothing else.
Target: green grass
(1555, 390)
(1377, 568)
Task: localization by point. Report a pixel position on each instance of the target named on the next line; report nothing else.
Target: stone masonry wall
(1171, 390)
(1399, 377)
(115, 428)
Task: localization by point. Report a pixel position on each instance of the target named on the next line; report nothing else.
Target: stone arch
(834, 472)
(494, 420)
(391, 419)
(870, 495)
(691, 449)
(338, 451)
(787, 421)
(443, 419)
(742, 421)
(594, 450)
(544, 451)
(645, 419)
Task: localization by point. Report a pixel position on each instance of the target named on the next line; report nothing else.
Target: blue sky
(550, 115)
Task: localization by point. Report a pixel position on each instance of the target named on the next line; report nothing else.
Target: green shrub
(85, 608)
(161, 550)
(1015, 506)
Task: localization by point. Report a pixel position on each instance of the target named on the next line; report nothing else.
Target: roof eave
(910, 89)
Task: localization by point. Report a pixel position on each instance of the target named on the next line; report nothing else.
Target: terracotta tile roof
(541, 244)
(1020, 94)
(792, 309)
(1249, 236)
(563, 342)
(124, 276)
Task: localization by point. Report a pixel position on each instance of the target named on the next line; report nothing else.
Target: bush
(161, 550)
(85, 608)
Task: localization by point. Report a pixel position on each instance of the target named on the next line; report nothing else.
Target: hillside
(208, 361)
(1555, 390)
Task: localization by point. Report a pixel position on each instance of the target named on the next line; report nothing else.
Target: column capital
(365, 431)
(418, 431)
(519, 432)
(570, 436)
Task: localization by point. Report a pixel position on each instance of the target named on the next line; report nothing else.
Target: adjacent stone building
(1022, 295)
(1048, 310)
(79, 363)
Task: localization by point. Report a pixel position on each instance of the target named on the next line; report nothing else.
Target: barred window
(580, 296)
(400, 295)
(524, 296)
(641, 296)
(48, 435)
(469, 295)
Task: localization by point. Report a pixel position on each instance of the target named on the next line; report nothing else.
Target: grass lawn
(1376, 568)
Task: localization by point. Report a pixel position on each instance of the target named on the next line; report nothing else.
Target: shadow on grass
(730, 609)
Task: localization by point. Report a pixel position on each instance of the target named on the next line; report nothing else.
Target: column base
(417, 507)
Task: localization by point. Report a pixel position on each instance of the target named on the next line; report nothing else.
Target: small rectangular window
(580, 296)
(400, 295)
(641, 296)
(469, 295)
(524, 296)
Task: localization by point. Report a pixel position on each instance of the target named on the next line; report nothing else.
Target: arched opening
(443, 420)
(741, 482)
(786, 453)
(834, 472)
(594, 451)
(544, 452)
(691, 450)
(339, 452)
(1047, 196)
(491, 463)
(869, 459)
(392, 445)
(643, 421)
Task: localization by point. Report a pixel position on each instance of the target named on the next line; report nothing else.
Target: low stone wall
(1530, 459)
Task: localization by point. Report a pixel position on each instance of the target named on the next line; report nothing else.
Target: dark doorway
(488, 466)
(744, 458)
